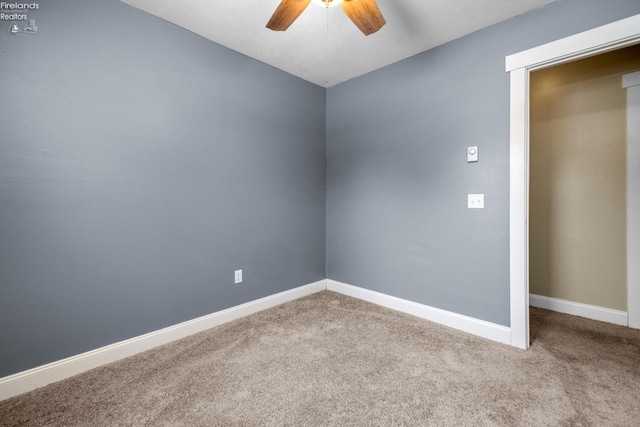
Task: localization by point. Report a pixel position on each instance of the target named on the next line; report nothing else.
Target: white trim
(602, 39)
(594, 312)
(478, 327)
(631, 80)
(632, 83)
(519, 210)
(23, 382)
(598, 40)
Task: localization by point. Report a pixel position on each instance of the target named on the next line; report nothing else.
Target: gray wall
(140, 165)
(397, 220)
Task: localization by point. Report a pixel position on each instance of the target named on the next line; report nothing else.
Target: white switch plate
(472, 154)
(475, 201)
(238, 276)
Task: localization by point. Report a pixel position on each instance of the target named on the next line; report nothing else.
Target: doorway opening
(578, 186)
(600, 40)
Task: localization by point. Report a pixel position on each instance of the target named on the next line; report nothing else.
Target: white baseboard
(481, 328)
(577, 309)
(31, 379)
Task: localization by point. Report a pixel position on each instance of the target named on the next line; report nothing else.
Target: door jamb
(631, 83)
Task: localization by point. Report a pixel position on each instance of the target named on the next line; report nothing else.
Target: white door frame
(631, 82)
(598, 40)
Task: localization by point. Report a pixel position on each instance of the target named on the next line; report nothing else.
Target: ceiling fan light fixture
(327, 3)
(363, 13)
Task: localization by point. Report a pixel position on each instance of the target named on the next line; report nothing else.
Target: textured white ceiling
(322, 45)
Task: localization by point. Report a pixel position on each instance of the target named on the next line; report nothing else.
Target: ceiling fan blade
(287, 12)
(365, 14)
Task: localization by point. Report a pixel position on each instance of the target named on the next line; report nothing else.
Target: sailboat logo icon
(13, 28)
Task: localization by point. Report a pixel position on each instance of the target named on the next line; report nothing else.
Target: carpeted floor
(329, 359)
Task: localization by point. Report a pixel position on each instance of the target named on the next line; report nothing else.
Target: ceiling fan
(364, 13)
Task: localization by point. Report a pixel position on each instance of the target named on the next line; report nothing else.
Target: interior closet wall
(578, 180)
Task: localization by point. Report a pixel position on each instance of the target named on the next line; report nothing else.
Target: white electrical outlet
(238, 276)
(475, 201)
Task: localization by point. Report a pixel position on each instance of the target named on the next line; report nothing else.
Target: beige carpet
(332, 360)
